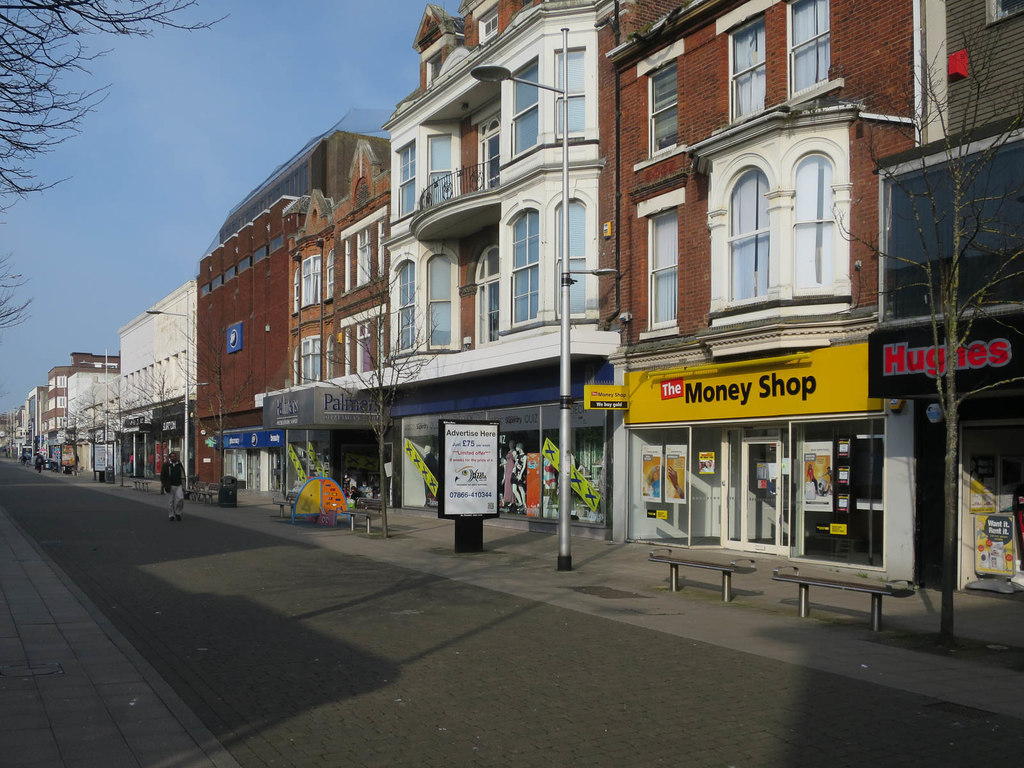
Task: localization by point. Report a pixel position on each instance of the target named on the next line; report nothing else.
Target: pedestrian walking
(171, 478)
(39, 463)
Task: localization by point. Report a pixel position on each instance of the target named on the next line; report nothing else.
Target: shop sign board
(261, 438)
(318, 407)
(829, 380)
(469, 468)
(605, 397)
(905, 362)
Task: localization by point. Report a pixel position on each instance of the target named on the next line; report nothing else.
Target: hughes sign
(906, 362)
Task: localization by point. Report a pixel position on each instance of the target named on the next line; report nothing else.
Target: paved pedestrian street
(293, 653)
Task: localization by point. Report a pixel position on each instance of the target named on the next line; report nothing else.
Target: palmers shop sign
(906, 362)
(828, 380)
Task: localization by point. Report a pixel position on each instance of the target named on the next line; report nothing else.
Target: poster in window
(994, 540)
(706, 463)
(651, 460)
(843, 502)
(844, 448)
(817, 485)
(675, 473)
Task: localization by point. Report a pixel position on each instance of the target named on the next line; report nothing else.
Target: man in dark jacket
(172, 477)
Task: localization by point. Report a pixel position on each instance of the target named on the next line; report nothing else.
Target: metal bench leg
(876, 613)
(726, 586)
(674, 576)
(805, 601)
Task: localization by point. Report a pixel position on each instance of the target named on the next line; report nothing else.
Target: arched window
(330, 275)
(525, 267)
(814, 223)
(488, 273)
(439, 301)
(406, 306)
(295, 291)
(749, 246)
(577, 256)
(311, 280)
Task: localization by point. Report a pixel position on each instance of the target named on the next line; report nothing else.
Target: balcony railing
(474, 178)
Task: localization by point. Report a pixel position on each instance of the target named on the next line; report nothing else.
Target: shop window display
(837, 487)
(659, 490)
(528, 478)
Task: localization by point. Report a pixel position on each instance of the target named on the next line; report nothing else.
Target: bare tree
(390, 355)
(12, 311)
(220, 391)
(41, 42)
(954, 250)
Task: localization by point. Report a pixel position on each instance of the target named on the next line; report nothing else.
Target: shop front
(326, 433)
(528, 442)
(786, 456)
(990, 465)
(254, 457)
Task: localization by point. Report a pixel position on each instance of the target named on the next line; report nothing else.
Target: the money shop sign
(830, 380)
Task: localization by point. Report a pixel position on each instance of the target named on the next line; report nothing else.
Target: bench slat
(877, 591)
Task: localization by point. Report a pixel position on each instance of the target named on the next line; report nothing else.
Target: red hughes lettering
(900, 360)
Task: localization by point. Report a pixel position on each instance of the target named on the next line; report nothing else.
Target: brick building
(742, 206)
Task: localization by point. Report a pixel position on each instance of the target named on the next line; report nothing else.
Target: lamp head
(490, 73)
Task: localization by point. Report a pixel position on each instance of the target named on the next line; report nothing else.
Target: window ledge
(661, 155)
(658, 333)
(818, 89)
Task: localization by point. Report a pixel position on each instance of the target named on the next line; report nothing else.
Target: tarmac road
(295, 654)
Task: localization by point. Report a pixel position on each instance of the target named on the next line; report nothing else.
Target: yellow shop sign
(829, 380)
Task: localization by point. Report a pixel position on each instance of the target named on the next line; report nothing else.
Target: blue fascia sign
(263, 438)
(234, 338)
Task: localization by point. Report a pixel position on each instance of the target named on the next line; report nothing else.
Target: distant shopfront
(787, 456)
(326, 433)
(526, 410)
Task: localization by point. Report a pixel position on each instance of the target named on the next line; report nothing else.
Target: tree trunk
(951, 413)
(383, 488)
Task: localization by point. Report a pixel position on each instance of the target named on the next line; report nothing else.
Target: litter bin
(227, 496)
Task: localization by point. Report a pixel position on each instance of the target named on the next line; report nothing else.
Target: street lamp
(494, 74)
(188, 341)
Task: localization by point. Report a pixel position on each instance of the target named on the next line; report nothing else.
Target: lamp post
(188, 343)
(493, 74)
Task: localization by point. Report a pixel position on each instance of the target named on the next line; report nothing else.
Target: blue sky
(192, 122)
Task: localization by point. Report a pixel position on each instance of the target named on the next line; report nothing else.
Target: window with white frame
(406, 306)
(297, 363)
(311, 358)
(407, 179)
(347, 268)
(1003, 8)
(488, 25)
(311, 280)
(525, 110)
(664, 268)
(664, 100)
(811, 54)
(439, 156)
(490, 153)
(488, 276)
(748, 69)
(574, 91)
(577, 257)
(296, 282)
(814, 223)
(329, 362)
(363, 257)
(749, 242)
(364, 350)
(330, 274)
(526, 267)
(439, 301)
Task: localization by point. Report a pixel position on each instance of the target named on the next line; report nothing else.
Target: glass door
(755, 509)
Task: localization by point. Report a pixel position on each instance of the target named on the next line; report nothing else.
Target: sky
(191, 123)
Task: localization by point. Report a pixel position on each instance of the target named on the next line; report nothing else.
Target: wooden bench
(877, 590)
(674, 559)
(141, 485)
